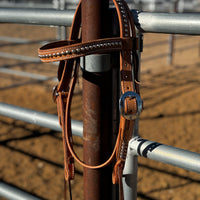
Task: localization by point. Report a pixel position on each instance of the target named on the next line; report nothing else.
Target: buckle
(130, 95)
(55, 93)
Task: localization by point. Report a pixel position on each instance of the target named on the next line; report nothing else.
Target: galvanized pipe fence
(171, 23)
(38, 118)
(63, 18)
(13, 193)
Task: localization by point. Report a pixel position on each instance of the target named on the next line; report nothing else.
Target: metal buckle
(55, 93)
(130, 95)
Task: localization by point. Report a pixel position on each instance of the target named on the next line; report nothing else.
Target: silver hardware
(95, 46)
(130, 95)
(67, 52)
(55, 93)
(116, 43)
(82, 49)
(73, 50)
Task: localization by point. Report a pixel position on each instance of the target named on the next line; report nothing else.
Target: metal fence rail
(166, 154)
(37, 118)
(10, 192)
(175, 23)
(159, 152)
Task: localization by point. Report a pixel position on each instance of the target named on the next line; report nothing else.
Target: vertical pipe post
(171, 49)
(172, 37)
(61, 30)
(130, 172)
(97, 117)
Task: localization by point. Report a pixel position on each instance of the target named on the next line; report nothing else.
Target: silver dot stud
(68, 52)
(73, 50)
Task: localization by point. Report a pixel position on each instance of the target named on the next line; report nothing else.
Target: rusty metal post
(97, 113)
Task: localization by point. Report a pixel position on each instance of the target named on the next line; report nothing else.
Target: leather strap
(63, 50)
(68, 52)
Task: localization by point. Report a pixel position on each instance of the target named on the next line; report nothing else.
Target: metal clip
(130, 95)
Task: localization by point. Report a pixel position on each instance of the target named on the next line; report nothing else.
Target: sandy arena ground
(31, 157)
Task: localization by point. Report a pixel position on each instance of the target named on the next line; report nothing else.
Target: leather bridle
(68, 52)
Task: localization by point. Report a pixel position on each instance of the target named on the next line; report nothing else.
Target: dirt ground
(31, 157)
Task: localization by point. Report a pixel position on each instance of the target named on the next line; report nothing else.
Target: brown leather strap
(68, 53)
(66, 49)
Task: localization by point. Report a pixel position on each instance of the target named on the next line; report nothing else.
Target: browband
(68, 52)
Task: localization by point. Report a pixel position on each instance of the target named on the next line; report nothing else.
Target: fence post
(61, 30)
(97, 104)
(172, 37)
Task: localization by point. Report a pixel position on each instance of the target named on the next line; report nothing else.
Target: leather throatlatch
(68, 52)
